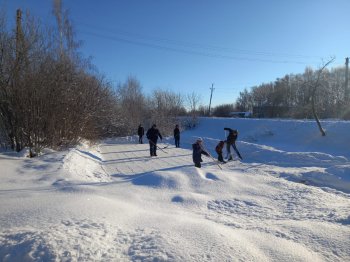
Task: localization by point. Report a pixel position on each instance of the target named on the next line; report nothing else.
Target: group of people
(153, 134)
(198, 150)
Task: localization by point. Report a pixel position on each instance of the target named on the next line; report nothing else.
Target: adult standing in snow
(140, 132)
(231, 141)
(177, 136)
(198, 151)
(152, 136)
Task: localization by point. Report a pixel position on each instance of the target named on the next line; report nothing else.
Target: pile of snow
(287, 200)
(85, 164)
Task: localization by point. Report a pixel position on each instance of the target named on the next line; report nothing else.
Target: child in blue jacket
(198, 151)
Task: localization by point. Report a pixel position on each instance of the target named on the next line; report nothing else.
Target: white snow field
(287, 200)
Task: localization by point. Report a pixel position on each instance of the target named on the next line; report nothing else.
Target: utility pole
(18, 32)
(211, 95)
(19, 46)
(346, 94)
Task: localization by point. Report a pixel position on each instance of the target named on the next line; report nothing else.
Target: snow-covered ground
(288, 200)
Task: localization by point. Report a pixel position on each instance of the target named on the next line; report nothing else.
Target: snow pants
(153, 148)
(220, 157)
(228, 148)
(177, 141)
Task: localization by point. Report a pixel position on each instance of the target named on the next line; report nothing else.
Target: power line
(160, 47)
(195, 45)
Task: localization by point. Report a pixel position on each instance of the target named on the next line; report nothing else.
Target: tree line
(300, 95)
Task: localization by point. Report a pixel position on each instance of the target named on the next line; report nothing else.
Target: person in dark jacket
(231, 141)
(198, 151)
(152, 136)
(177, 136)
(140, 132)
(218, 150)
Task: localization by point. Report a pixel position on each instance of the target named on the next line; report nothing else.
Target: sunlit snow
(288, 200)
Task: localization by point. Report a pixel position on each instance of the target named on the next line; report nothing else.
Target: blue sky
(185, 45)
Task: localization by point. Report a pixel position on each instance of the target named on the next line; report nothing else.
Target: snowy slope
(288, 148)
(288, 200)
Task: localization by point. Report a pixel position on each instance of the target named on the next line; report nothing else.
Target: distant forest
(291, 96)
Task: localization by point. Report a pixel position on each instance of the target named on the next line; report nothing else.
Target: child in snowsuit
(218, 150)
(198, 151)
(231, 141)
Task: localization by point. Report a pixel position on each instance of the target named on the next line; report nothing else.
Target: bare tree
(49, 96)
(65, 34)
(314, 85)
(193, 101)
(132, 104)
(165, 107)
(245, 101)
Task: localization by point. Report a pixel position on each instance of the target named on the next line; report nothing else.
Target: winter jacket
(232, 135)
(140, 131)
(198, 152)
(176, 132)
(153, 134)
(219, 147)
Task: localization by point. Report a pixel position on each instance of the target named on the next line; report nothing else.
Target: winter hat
(199, 139)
